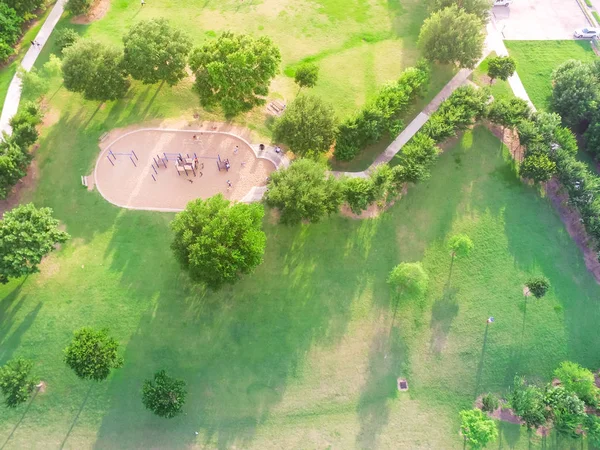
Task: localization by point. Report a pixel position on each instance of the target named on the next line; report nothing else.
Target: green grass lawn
(536, 60)
(305, 352)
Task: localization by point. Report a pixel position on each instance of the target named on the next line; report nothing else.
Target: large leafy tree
(215, 241)
(307, 126)
(460, 245)
(27, 234)
(575, 93)
(13, 167)
(25, 8)
(16, 381)
(155, 51)
(234, 71)
(304, 192)
(95, 70)
(477, 428)
(508, 112)
(24, 125)
(164, 395)
(481, 8)
(452, 36)
(501, 67)
(10, 25)
(93, 354)
(306, 75)
(408, 279)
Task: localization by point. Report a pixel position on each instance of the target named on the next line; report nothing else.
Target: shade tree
(501, 67)
(538, 286)
(164, 395)
(16, 381)
(92, 354)
(452, 36)
(303, 191)
(27, 234)
(575, 93)
(527, 402)
(307, 126)
(578, 380)
(156, 51)
(477, 428)
(480, 8)
(408, 280)
(95, 70)
(460, 245)
(234, 71)
(306, 75)
(216, 242)
(537, 166)
(77, 7)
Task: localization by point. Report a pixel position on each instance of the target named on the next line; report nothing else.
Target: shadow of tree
(443, 312)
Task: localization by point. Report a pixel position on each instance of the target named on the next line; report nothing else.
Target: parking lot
(539, 19)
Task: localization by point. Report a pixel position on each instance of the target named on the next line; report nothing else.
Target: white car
(502, 2)
(587, 33)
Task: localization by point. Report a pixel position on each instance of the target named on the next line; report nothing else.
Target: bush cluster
(381, 115)
(12, 15)
(14, 149)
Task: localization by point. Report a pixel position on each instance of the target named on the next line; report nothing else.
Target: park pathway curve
(13, 95)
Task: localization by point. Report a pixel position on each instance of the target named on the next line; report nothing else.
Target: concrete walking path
(13, 95)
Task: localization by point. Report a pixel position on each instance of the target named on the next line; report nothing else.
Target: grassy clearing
(305, 352)
(537, 59)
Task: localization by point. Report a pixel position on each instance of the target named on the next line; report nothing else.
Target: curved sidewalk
(13, 95)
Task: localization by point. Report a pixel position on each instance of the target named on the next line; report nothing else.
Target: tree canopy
(216, 242)
(16, 381)
(304, 192)
(538, 286)
(27, 234)
(481, 8)
(77, 7)
(164, 395)
(95, 70)
(537, 166)
(578, 380)
(234, 71)
(501, 67)
(92, 354)
(527, 402)
(460, 245)
(575, 93)
(306, 75)
(477, 428)
(307, 126)
(452, 36)
(408, 279)
(508, 112)
(155, 51)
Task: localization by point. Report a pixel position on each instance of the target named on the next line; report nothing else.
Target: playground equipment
(131, 155)
(223, 165)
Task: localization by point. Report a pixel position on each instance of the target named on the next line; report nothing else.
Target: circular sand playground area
(164, 169)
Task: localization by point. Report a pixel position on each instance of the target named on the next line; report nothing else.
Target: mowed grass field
(536, 60)
(305, 352)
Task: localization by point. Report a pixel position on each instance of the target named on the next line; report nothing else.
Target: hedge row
(14, 149)
(413, 163)
(12, 15)
(381, 115)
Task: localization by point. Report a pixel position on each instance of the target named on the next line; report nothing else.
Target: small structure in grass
(402, 384)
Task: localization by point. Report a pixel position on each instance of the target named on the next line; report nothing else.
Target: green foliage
(538, 286)
(92, 354)
(566, 410)
(164, 395)
(508, 112)
(576, 92)
(27, 234)
(359, 193)
(216, 242)
(537, 166)
(13, 165)
(304, 192)
(490, 402)
(452, 36)
(65, 37)
(416, 157)
(24, 125)
(10, 27)
(307, 75)
(381, 115)
(527, 402)
(579, 381)
(307, 126)
(77, 7)
(460, 245)
(481, 8)
(16, 381)
(25, 8)
(477, 428)
(592, 429)
(94, 69)
(155, 51)
(234, 71)
(408, 280)
(592, 138)
(501, 67)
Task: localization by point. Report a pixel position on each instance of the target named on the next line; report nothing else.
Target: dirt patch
(41, 387)
(97, 11)
(510, 138)
(526, 291)
(574, 226)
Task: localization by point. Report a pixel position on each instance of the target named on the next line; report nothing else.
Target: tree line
(13, 15)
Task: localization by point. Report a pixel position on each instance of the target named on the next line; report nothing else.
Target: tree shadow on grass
(443, 312)
(239, 347)
(20, 420)
(9, 341)
(62, 445)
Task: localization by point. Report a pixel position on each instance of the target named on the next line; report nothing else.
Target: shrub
(359, 193)
(538, 286)
(501, 67)
(77, 7)
(527, 402)
(25, 8)
(164, 395)
(10, 25)
(306, 75)
(538, 167)
(578, 380)
(65, 37)
(477, 429)
(92, 354)
(490, 402)
(16, 382)
(24, 125)
(408, 279)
